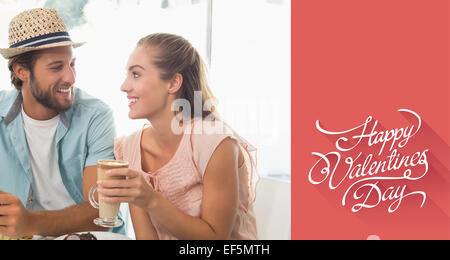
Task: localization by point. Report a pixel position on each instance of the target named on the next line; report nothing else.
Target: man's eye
(56, 68)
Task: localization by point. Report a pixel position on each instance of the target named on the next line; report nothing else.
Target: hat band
(43, 40)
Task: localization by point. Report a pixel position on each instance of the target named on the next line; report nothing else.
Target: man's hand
(15, 220)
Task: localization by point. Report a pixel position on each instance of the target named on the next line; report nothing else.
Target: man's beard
(46, 98)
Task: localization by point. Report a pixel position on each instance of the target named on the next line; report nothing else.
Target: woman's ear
(22, 73)
(175, 83)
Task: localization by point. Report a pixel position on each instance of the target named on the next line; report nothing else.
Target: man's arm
(17, 222)
(73, 219)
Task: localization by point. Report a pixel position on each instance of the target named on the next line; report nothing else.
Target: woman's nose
(125, 87)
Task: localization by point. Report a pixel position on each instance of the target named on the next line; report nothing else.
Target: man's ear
(175, 83)
(21, 72)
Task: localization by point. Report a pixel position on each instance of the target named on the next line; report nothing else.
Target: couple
(180, 185)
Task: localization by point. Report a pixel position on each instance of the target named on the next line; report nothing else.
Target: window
(250, 72)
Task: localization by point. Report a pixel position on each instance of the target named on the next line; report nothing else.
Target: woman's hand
(134, 189)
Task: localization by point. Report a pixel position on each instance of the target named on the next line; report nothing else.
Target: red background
(355, 58)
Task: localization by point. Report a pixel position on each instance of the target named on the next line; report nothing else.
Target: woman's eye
(136, 75)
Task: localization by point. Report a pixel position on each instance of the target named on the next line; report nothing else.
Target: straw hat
(36, 29)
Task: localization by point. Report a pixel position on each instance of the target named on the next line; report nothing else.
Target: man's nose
(69, 76)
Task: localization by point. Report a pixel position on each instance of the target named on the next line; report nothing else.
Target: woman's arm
(219, 202)
(143, 226)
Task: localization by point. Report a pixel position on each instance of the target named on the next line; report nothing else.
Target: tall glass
(108, 212)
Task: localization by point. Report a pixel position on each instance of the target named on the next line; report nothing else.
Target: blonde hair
(177, 55)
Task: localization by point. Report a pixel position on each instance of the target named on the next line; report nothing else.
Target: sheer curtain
(251, 72)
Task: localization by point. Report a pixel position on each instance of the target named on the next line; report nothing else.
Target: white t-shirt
(49, 192)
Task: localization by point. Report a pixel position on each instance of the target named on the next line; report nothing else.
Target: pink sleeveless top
(181, 179)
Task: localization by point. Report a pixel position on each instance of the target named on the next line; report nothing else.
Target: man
(51, 133)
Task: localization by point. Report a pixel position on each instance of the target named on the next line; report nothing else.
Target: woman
(190, 176)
